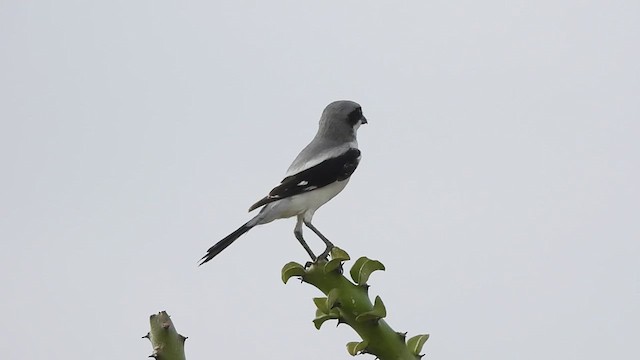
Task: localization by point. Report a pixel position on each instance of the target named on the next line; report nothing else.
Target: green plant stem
(166, 342)
(353, 300)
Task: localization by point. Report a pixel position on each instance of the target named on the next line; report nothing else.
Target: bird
(320, 172)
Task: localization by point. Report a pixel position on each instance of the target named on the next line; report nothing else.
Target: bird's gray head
(340, 120)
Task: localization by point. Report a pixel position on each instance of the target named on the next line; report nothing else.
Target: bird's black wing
(334, 169)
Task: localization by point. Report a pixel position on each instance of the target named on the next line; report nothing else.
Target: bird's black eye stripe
(355, 116)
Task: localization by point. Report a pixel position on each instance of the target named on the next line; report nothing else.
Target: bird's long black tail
(224, 243)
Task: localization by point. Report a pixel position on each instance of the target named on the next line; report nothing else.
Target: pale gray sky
(499, 179)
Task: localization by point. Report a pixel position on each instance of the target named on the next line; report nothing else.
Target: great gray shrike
(319, 172)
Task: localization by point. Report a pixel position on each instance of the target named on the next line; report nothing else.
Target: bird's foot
(314, 260)
(325, 255)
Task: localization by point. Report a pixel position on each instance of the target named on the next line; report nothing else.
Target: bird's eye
(355, 116)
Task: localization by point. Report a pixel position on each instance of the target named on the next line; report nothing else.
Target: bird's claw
(325, 255)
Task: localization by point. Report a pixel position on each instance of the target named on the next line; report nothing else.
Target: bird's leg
(297, 231)
(304, 245)
(326, 241)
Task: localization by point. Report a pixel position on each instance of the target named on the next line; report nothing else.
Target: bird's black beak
(363, 120)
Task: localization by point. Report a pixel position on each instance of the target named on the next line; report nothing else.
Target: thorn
(148, 336)
(402, 335)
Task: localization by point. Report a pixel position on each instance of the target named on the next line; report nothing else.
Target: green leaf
(332, 298)
(362, 269)
(331, 265)
(354, 348)
(321, 304)
(322, 317)
(378, 312)
(319, 320)
(339, 254)
(292, 269)
(415, 343)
